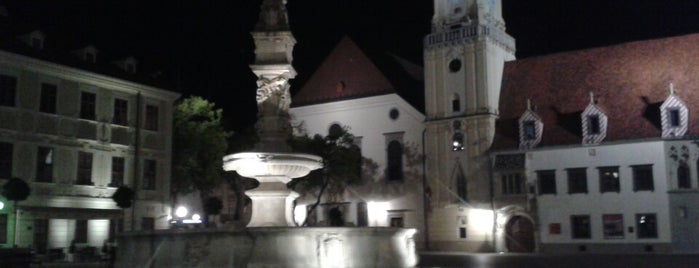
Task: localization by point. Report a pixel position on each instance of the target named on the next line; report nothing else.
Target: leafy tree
(16, 190)
(212, 206)
(342, 162)
(199, 144)
(123, 197)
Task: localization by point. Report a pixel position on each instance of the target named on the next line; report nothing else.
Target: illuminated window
(151, 122)
(512, 183)
(80, 231)
(395, 161)
(117, 172)
(87, 105)
(683, 179)
(121, 111)
(613, 225)
(3, 228)
(149, 174)
(457, 142)
(547, 181)
(84, 168)
(6, 150)
(47, 102)
(44, 164)
(646, 226)
(577, 180)
(8, 90)
(642, 178)
(609, 179)
(580, 226)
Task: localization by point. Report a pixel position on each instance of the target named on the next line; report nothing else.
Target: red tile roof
(351, 72)
(629, 82)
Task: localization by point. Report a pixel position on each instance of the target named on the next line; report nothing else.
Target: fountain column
(271, 162)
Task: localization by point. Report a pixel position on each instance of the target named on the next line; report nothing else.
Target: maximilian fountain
(271, 238)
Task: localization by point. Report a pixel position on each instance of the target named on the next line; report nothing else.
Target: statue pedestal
(272, 203)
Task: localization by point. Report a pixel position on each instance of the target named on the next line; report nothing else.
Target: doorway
(519, 234)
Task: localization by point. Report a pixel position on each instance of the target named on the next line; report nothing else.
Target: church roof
(351, 72)
(629, 82)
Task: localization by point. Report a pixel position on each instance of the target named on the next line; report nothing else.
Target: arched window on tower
(394, 170)
(683, 179)
(455, 103)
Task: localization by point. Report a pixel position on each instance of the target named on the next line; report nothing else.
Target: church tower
(464, 57)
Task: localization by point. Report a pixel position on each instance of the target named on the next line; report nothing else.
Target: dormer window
(674, 116)
(88, 54)
(128, 64)
(530, 128)
(90, 57)
(37, 43)
(34, 39)
(594, 123)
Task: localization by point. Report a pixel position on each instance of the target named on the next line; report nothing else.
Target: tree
(16, 190)
(342, 163)
(212, 206)
(199, 144)
(123, 197)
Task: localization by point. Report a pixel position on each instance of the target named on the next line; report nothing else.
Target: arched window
(683, 180)
(395, 161)
(455, 103)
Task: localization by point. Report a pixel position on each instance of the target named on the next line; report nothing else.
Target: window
(362, 214)
(396, 222)
(87, 106)
(547, 181)
(643, 178)
(41, 235)
(529, 130)
(149, 174)
(593, 126)
(36, 42)
(6, 161)
(462, 232)
(44, 164)
(84, 168)
(609, 179)
(90, 57)
(461, 186)
(674, 117)
(455, 103)
(116, 226)
(121, 111)
(117, 172)
(147, 223)
(395, 161)
(577, 180)
(455, 65)
(457, 142)
(647, 226)
(512, 183)
(3, 228)
(393, 114)
(683, 179)
(8, 90)
(80, 231)
(151, 118)
(47, 102)
(613, 225)
(580, 226)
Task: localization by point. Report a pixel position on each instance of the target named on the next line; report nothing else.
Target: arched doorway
(519, 234)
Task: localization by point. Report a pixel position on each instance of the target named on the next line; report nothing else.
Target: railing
(470, 32)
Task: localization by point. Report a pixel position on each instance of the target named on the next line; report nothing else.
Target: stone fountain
(271, 238)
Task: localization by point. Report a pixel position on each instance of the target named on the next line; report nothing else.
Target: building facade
(75, 135)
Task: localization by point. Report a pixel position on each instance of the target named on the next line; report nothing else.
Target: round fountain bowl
(277, 165)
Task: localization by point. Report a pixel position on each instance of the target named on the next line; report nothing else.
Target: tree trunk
(326, 182)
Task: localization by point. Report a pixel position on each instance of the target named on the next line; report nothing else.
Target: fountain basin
(275, 166)
(269, 247)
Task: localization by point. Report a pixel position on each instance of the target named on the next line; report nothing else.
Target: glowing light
(196, 217)
(191, 221)
(2, 205)
(377, 212)
(300, 214)
(181, 212)
(482, 219)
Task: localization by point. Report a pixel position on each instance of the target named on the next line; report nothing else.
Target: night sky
(205, 46)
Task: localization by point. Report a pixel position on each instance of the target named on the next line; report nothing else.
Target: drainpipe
(425, 203)
(136, 158)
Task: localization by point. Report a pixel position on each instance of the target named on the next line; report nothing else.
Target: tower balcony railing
(469, 32)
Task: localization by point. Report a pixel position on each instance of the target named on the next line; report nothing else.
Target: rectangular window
(674, 117)
(8, 90)
(396, 222)
(116, 226)
(87, 105)
(47, 102)
(613, 225)
(121, 111)
(44, 164)
(580, 226)
(80, 231)
(593, 126)
(117, 172)
(151, 122)
(41, 235)
(147, 223)
(647, 226)
(577, 180)
(84, 168)
(547, 181)
(455, 105)
(462, 232)
(6, 149)
(529, 130)
(512, 183)
(609, 179)
(643, 178)
(149, 174)
(684, 181)
(3, 228)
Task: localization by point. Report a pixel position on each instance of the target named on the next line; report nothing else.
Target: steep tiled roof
(629, 82)
(351, 72)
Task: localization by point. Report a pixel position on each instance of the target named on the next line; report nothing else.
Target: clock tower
(464, 57)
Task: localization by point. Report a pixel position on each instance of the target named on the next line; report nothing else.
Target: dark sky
(207, 42)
